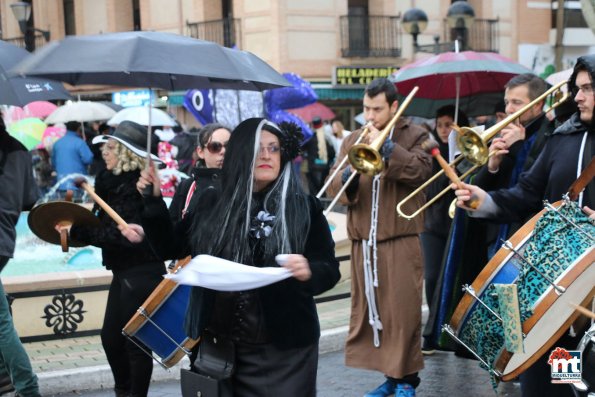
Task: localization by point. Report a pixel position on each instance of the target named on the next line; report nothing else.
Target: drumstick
(431, 146)
(82, 183)
(581, 309)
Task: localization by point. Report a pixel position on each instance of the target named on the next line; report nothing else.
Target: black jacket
(551, 175)
(165, 230)
(119, 192)
(18, 190)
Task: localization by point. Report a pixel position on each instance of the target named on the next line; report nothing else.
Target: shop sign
(359, 76)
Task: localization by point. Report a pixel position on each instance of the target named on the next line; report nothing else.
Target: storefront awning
(334, 94)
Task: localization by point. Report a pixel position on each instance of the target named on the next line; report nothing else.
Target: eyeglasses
(272, 149)
(215, 147)
(587, 89)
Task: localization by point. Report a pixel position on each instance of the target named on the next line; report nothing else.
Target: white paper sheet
(222, 275)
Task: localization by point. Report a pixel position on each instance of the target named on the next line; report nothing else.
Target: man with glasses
(567, 152)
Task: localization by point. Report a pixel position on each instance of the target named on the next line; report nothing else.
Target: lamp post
(460, 17)
(22, 13)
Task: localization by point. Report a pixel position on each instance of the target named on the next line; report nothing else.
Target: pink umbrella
(50, 136)
(308, 112)
(475, 79)
(39, 109)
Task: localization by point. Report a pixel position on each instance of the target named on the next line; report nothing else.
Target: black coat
(119, 192)
(551, 175)
(19, 191)
(166, 231)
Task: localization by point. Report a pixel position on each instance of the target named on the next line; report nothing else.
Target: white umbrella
(558, 77)
(80, 111)
(140, 115)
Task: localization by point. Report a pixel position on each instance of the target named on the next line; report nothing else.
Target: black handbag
(213, 368)
(198, 385)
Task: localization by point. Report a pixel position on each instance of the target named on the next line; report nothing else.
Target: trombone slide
(330, 178)
(339, 193)
(473, 202)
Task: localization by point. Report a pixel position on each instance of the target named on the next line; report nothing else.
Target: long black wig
(225, 229)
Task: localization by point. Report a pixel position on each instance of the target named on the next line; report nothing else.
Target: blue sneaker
(404, 390)
(384, 390)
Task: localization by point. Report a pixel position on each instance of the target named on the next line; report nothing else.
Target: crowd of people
(258, 209)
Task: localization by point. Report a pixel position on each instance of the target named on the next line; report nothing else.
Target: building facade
(337, 45)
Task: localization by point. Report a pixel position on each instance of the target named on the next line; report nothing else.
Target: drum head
(44, 217)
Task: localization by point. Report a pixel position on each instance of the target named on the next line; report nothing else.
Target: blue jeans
(13, 356)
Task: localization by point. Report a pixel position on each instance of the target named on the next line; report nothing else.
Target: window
(69, 20)
(573, 14)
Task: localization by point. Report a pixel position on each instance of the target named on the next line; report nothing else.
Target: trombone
(474, 147)
(366, 158)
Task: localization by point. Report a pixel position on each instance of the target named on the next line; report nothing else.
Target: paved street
(444, 375)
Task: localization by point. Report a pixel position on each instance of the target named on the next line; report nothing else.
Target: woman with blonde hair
(136, 268)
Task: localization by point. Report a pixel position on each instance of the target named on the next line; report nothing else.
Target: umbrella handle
(105, 206)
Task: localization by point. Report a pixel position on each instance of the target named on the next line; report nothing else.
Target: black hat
(130, 134)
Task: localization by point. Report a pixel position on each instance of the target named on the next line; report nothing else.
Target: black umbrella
(150, 59)
(20, 91)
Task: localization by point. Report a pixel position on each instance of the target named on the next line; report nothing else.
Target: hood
(571, 126)
(587, 62)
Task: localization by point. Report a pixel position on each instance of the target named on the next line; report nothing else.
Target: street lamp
(415, 21)
(22, 12)
(460, 17)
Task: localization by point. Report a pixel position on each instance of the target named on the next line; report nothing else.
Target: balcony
(482, 37)
(370, 36)
(20, 41)
(226, 32)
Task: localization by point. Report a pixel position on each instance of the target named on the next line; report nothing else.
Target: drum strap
(583, 180)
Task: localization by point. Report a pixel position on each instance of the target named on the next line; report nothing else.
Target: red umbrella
(308, 112)
(480, 77)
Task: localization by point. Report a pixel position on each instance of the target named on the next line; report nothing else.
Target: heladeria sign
(359, 76)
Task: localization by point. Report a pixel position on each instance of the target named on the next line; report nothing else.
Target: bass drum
(587, 346)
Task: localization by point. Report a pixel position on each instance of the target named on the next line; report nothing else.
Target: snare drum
(158, 323)
(558, 252)
(587, 348)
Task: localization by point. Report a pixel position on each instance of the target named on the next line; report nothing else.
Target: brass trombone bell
(474, 145)
(366, 158)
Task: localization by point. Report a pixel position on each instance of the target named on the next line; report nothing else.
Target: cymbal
(44, 217)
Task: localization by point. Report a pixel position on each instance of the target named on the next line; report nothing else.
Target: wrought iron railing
(20, 41)
(226, 32)
(370, 36)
